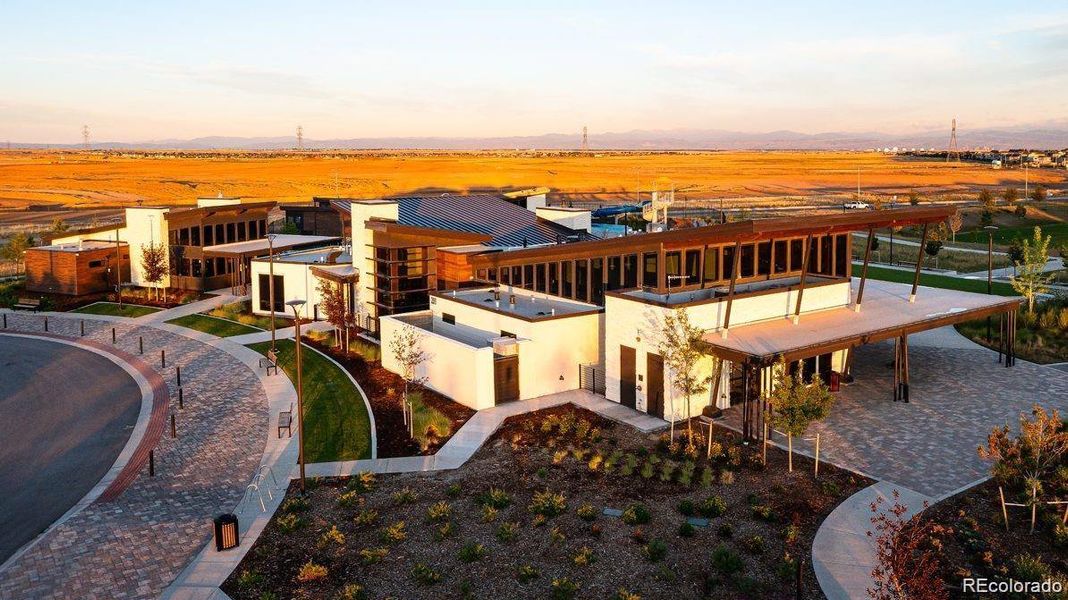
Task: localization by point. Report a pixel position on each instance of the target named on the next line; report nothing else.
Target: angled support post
(736, 263)
(864, 270)
(919, 262)
(804, 272)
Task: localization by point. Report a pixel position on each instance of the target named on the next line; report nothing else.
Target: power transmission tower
(300, 137)
(85, 136)
(585, 139)
(953, 143)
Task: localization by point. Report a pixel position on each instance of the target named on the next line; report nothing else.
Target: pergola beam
(919, 262)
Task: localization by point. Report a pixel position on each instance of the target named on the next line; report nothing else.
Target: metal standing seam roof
(507, 224)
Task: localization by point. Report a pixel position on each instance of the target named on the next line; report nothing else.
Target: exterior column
(919, 262)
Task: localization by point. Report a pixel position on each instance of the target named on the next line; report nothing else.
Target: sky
(147, 71)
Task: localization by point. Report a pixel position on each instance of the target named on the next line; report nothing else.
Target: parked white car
(857, 205)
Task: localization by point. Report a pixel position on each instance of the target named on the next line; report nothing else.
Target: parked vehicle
(857, 205)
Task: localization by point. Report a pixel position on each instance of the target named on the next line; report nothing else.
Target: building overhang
(261, 246)
(886, 313)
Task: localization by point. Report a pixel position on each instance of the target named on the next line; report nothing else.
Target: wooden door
(627, 381)
(654, 375)
(506, 378)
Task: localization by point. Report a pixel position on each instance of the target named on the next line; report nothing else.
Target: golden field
(94, 179)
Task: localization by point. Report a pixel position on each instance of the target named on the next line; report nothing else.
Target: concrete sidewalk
(190, 309)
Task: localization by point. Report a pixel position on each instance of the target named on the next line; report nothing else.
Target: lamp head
(295, 305)
(271, 237)
(991, 228)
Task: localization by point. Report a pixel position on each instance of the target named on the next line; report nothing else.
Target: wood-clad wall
(73, 273)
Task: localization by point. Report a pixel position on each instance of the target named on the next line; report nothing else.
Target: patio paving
(134, 545)
(928, 445)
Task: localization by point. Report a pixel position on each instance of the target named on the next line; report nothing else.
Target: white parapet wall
(453, 368)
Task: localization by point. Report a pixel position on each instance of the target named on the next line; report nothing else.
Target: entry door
(506, 378)
(627, 382)
(654, 369)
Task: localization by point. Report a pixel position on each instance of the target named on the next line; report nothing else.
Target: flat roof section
(529, 306)
(83, 246)
(885, 314)
(282, 242)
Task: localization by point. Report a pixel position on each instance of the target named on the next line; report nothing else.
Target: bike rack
(270, 471)
(256, 488)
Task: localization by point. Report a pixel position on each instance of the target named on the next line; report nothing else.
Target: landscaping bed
(116, 310)
(1041, 336)
(216, 326)
(971, 540)
(384, 390)
(524, 519)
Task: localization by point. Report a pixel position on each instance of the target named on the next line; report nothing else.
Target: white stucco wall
(299, 284)
(145, 226)
(453, 368)
(639, 325)
(361, 213)
(579, 220)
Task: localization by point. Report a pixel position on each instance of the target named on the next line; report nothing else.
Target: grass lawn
(429, 422)
(335, 415)
(241, 312)
(213, 325)
(113, 309)
(939, 281)
(1005, 235)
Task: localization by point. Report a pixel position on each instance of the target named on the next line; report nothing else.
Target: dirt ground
(765, 521)
(95, 179)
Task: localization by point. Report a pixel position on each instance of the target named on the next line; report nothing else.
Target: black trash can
(226, 533)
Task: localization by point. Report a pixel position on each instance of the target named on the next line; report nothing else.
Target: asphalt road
(65, 414)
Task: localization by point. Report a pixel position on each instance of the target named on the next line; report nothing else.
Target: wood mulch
(770, 519)
(974, 543)
(384, 390)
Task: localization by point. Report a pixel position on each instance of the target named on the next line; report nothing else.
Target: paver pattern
(134, 545)
(929, 445)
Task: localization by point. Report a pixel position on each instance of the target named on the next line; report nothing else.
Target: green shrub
(370, 556)
(548, 504)
(294, 505)
(623, 594)
(686, 530)
(349, 499)
(366, 517)
(725, 530)
(424, 575)
(472, 552)
(636, 514)
(332, 536)
(453, 490)
(753, 544)
(686, 473)
(527, 573)
(404, 496)
(394, 533)
(311, 571)
(439, 511)
(288, 522)
(764, 513)
(712, 507)
(564, 589)
(654, 551)
(587, 512)
(708, 477)
(726, 562)
(667, 471)
(630, 462)
(489, 514)
(364, 481)
(648, 469)
(249, 579)
(584, 557)
(351, 591)
(687, 508)
(726, 477)
(495, 497)
(791, 533)
(556, 535)
(443, 531)
(507, 531)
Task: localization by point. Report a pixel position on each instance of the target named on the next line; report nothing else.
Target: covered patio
(240, 254)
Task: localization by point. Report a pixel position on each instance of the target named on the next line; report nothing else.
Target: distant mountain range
(1052, 136)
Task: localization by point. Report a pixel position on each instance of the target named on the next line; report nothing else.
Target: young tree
(682, 349)
(1010, 195)
(986, 198)
(954, 223)
(58, 225)
(1039, 193)
(15, 249)
(407, 349)
(1030, 279)
(914, 197)
(795, 404)
(332, 303)
(1035, 457)
(986, 217)
(907, 566)
(289, 227)
(154, 263)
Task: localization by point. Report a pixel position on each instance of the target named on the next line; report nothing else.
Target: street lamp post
(296, 305)
(270, 282)
(990, 229)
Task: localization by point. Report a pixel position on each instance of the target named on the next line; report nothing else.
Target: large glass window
(711, 264)
(673, 268)
(814, 255)
(745, 268)
(279, 293)
(582, 271)
(728, 262)
(194, 236)
(220, 234)
(597, 280)
(827, 255)
(764, 258)
(650, 272)
(528, 276)
(242, 234)
(517, 276)
(539, 271)
(630, 271)
(491, 274)
(797, 254)
(554, 278)
(693, 267)
(209, 239)
(506, 276)
(231, 232)
(841, 255)
(183, 236)
(615, 272)
(781, 257)
(567, 287)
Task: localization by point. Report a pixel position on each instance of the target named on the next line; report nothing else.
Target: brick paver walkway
(929, 445)
(135, 545)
